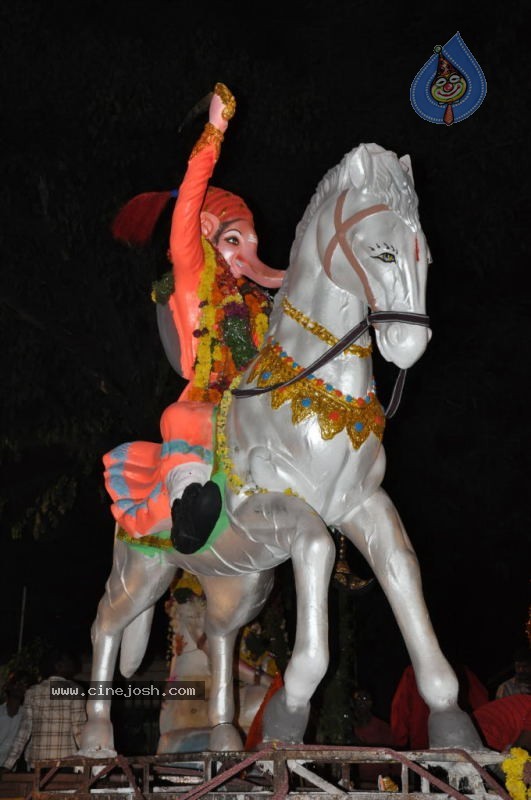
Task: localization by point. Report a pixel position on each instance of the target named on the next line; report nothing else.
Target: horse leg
(312, 552)
(376, 530)
(135, 584)
(232, 602)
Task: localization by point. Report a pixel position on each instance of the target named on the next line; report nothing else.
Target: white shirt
(8, 729)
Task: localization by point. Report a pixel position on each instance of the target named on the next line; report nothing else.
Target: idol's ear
(360, 167)
(406, 164)
(209, 225)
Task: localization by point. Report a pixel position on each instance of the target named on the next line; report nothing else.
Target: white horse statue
(301, 453)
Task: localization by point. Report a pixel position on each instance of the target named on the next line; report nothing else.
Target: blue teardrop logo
(450, 86)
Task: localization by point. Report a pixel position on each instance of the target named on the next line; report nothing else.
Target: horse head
(371, 245)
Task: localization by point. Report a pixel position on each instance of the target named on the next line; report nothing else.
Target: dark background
(93, 94)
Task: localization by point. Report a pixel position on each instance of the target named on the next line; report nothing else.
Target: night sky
(93, 94)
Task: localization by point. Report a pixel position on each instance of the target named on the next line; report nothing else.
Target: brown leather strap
(410, 317)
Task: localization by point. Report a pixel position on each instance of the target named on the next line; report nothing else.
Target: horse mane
(387, 180)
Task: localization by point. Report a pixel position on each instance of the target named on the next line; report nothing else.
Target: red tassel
(136, 220)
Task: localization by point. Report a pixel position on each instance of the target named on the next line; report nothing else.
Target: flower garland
(234, 316)
(513, 767)
(223, 460)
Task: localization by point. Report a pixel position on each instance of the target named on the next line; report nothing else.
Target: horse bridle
(411, 317)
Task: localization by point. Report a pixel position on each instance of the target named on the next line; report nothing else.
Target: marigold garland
(233, 322)
(234, 316)
(223, 460)
(513, 767)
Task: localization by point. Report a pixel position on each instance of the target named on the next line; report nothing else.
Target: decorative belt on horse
(348, 339)
(335, 411)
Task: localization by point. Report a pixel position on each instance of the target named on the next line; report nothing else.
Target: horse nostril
(394, 334)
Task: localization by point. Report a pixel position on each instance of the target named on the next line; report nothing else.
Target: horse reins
(354, 334)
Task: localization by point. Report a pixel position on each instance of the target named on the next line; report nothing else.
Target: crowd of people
(36, 722)
(504, 721)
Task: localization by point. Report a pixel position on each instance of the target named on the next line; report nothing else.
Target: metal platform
(298, 773)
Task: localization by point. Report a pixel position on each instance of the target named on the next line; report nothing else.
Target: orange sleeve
(186, 249)
(185, 236)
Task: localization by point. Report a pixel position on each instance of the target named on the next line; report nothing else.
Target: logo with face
(450, 86)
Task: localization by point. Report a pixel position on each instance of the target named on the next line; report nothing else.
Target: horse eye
(387, 258)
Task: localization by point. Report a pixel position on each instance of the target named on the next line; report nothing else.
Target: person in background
(520, 683)
(50, 725)
(409, 712)
(371, 731)
(11, 711)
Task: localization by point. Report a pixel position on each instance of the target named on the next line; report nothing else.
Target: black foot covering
(194, 516)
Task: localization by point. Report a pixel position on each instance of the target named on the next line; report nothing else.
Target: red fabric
(226, 205)
(136, 220)
(502, 721)
(409, 712)
(477, 693)
(375, 733)
(255, 733)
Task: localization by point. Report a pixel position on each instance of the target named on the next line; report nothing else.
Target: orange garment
(255, 733)
(409, 712)
(135, 471)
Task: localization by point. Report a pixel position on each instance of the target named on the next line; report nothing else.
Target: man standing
(11, 712)
(520, 683)
(50, 723)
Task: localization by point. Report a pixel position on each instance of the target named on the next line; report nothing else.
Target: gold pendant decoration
(359, 416)
(344, 575)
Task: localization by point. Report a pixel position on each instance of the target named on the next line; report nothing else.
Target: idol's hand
(222, 107)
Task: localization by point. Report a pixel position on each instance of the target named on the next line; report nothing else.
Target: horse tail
(136, 220)
(134, 642)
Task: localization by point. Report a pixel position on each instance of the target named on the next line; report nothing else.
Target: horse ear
(360, 168)
(406, 163)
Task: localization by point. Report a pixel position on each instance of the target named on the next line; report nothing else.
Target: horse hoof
(97, 740)
(280, 724)
(453, 728)
(225, 737)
